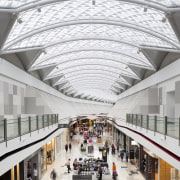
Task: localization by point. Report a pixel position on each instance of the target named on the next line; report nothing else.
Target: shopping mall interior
(90, 89)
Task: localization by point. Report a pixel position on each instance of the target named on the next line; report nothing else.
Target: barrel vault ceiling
(90, 49)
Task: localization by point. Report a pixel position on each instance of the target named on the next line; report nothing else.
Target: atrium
(72, 65)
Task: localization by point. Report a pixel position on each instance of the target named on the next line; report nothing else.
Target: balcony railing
(164, 125)
(12, 128)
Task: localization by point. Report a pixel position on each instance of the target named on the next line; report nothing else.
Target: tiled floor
(123, 173)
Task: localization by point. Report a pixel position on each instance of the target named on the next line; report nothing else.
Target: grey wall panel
(153, 109)
(144, 110)
(30, 105)
(14, 89)
(40, 110)
(153, 96)
(6, 109)
(10, 99)
(160, 96)
(177, 92)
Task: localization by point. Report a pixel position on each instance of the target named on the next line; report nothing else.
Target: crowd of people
(98, 130)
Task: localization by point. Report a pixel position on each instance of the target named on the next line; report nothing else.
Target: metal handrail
(167, 126)
(21, 126)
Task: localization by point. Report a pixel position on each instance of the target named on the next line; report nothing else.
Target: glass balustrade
(173, 127)
(24, 125)
(160, 125)
(12, 128)
(1, 130)
(164, 125)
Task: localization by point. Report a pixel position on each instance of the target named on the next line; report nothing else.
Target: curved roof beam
(109, 76)
(92, 77)
(96, 21)
(90, 69)
(107, 59)
(138, 2)
(110, 39)
(93, 74)
(89, 38)
(103, 65)
(103, 81)
(92, 49)
(96, 84)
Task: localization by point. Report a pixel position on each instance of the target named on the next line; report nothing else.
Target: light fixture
(138, 51)
(164, 19)
(19, 20)
(39, 9)
(94, 2)
(57, 67)
(145, 9)
(126, 67)
(44, 51)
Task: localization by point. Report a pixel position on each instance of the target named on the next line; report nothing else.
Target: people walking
(53, 174)
(113, 149)
(70, 146)
(114, 172)
(127, 156)
(122, 156)
(100, 173)
(66, 148)
(68, 165)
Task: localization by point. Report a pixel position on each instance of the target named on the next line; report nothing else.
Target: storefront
(15, 173)
(31, 166)
(167, 172)
(43, 164)
(148, 164)
(50, 152)
(134, 153)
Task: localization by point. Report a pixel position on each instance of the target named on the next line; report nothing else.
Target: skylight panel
(82, 9)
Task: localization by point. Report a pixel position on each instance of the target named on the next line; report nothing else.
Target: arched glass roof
(91, 43)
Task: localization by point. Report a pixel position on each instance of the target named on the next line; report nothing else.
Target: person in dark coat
(70, 146)
(66, 147)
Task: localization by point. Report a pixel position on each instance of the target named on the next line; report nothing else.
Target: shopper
(114, 172)
(70, 146)
(68, 165)
(66, 147)
(71, 134)
(113, 149)
(53, 174)
(100, 173)
(122, 156)
(127, 156)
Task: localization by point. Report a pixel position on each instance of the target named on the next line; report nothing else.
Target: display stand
(99, 140)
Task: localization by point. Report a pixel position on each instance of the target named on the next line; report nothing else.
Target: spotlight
(44, 51)
(94, 2)
(138, 51)
(19, 20)
(145, 9)
(164, 19)
(39, 9)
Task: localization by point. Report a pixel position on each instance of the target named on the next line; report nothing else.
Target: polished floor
(126, 171)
